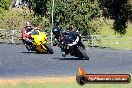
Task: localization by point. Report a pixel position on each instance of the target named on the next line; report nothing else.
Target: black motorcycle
(71, 44)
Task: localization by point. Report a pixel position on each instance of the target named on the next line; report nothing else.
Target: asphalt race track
(15, 60)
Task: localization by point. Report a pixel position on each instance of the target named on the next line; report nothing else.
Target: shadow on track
(69, 59)
(33, 52)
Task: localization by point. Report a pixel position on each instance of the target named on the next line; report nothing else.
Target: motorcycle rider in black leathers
(58, 35)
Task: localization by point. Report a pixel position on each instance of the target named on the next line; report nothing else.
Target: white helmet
(28, 24)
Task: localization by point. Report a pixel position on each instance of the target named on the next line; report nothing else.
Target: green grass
(66, 85)
(117, 42)
(109, 38)
(124, 43)
(108, 31)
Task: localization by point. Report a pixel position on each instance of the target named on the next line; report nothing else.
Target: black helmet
(56, 31)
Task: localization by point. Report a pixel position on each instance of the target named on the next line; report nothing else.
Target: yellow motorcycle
(40, 44)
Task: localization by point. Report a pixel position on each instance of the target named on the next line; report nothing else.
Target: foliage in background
(13, 19)
(80, 13)
(77, 14)
(119, 10)
(71, 14)
(5, 4)
(38, 6)
(10, 19)
(40, 21)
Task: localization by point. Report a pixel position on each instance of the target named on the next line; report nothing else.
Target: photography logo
(83, 78)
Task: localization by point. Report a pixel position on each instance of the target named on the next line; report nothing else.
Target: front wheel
(83, 53)
(49, 49)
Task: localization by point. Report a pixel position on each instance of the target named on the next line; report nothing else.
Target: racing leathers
(26, 37)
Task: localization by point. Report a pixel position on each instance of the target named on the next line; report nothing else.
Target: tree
(5, 4)
(119, 10)
(38, 6)
(80, 13)
(77, 14)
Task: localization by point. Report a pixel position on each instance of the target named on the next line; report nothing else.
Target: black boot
(28, 47)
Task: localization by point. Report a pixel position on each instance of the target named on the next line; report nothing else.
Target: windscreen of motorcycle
(70, 38)
(35, 32)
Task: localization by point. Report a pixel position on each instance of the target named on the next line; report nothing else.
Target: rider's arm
(64, 33)
(24, 35)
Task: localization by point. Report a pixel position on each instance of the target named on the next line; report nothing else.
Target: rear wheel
(49, 49)
(83, 53)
